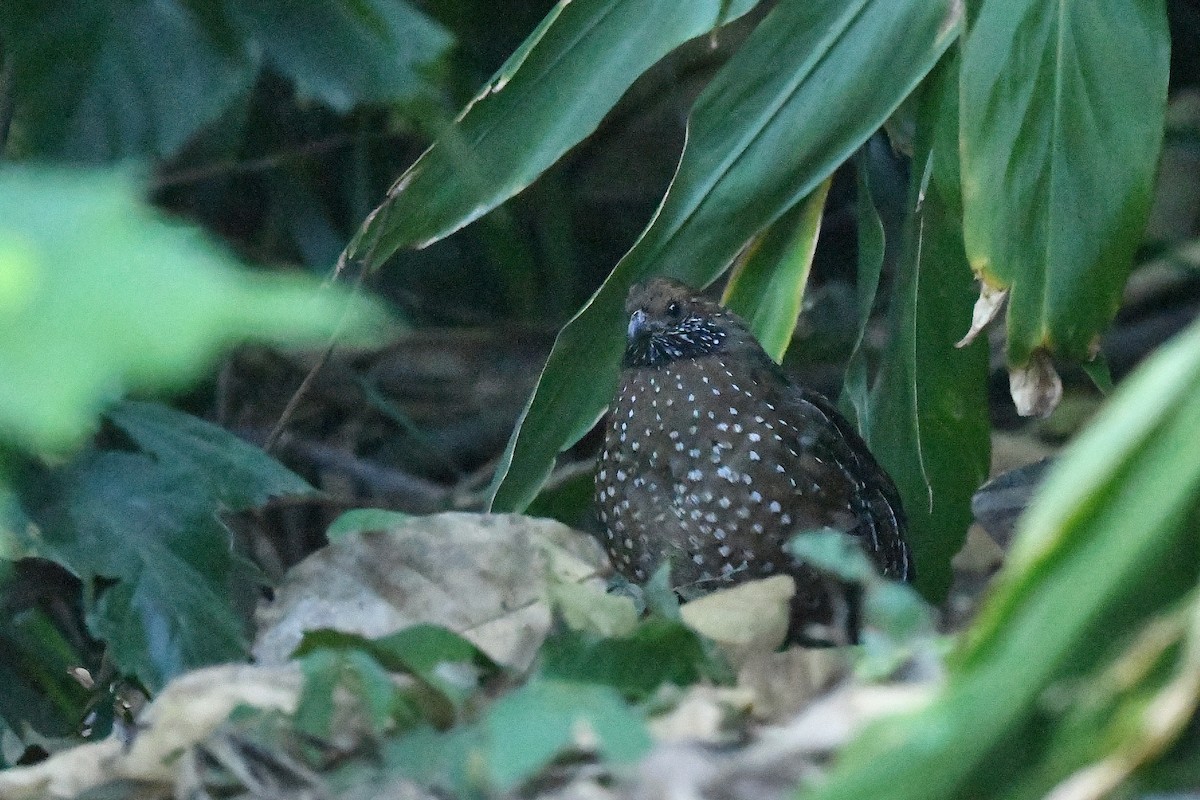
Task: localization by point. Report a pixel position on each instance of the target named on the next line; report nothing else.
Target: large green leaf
(1108, 544)
(805, 91)
(100, 80)
(98, 294)
(147, 523)
(125, 517)
(235, 474)
(928, 417)
(345, 52)
(550, 94)
(97, 80)
(1062, 121)
(767, 287)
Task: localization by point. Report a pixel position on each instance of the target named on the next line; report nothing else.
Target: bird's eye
(674, 311)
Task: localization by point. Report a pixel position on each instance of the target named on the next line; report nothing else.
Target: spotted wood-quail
(713, 460)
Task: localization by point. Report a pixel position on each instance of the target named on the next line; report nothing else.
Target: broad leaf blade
(928, 420)
(96, 81)
(803, 93)
(236, 474)
(346, 52)
(548, 97)
(125, 517)
(767, 289)
(1059, 156)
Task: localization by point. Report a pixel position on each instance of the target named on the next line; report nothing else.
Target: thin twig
(293, 403)
(261, 164)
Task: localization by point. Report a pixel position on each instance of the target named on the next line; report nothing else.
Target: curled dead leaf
(991, 300)
(1036, 388)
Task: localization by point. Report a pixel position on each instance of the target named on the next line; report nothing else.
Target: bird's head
(669, 321)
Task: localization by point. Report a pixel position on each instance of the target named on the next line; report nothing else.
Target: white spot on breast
(754, 456)
(754, 437)
(774, 507)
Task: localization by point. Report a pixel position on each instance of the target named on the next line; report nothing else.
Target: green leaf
(928, 422)
(767, 288)
(449, 667)
(35, 658)
(547, 97)
(98, 295)
(802, 94)
(855, 400)
(364, 519)
(369, 691)
(531, 726)
(236, 474)
(659, 651)
(128, 518)
(96, 81)
(1096, 558)
(1062, 122)
(346, 52)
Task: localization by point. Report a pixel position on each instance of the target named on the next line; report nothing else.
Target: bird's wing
(829, 437)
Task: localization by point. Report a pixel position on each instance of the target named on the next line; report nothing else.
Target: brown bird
(713, 460)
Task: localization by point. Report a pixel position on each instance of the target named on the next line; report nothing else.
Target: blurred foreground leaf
(99, 294)
(1108, 544)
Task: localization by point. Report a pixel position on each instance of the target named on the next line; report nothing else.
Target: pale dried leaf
(749, 618)
(485, 576)
(703, 714)
(187, 711)
(1036, 388)
(991, 300)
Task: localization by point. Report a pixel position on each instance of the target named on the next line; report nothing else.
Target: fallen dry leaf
(485, 576)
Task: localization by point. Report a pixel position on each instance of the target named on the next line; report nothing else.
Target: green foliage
(576, 701)
(447, 671)
(659, 651)
(1032, 132)
(1063, 153)
(750, 156)
(927, 417)
(1097, 562)
(550, 94)
(151, 75)
(141, 531)
(767, 287)
(102, 296)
